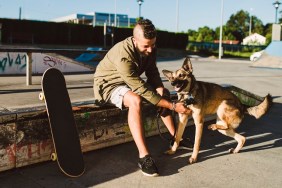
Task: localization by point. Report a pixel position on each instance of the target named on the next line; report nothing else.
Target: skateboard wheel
(41, 96)
(53, 157)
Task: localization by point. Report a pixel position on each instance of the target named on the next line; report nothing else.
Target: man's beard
(143, 54)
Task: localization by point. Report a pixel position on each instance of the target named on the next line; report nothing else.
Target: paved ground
(258, 165)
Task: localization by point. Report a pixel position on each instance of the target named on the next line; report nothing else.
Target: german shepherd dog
(209, 98)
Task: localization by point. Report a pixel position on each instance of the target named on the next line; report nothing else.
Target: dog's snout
(173, 83)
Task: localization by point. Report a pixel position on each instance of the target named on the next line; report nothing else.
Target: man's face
(144, 46)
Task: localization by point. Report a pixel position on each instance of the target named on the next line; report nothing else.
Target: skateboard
(68, 153)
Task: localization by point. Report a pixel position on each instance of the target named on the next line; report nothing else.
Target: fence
(209, 46)
(39, 32)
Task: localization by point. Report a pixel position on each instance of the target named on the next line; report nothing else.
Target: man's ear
(168, 74)
(134, 41)
(187, 65)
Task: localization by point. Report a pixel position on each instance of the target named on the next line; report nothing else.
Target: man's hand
(166, 105)
(179, 107)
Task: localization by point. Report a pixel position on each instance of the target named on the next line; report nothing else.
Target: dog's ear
(187, 65)
(168, 74)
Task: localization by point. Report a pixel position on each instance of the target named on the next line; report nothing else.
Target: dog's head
(181, 79)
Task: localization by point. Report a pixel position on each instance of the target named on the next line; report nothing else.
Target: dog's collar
(190, 100)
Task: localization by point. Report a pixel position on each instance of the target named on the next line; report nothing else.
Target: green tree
(205, 34)
(257, 25)
(239, 24)
(192, 35)
(268, 32)
(236, 28)
(226, 33)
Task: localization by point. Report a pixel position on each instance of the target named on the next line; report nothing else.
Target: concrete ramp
(271, 57)
(73, 61)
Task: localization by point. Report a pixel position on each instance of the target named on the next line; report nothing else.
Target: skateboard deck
(62, 123)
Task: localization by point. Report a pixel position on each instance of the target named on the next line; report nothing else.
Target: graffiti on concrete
(53, 62)
(15, 63)
(34, 150)
(17, 155)
(12, 61)
(100, 133)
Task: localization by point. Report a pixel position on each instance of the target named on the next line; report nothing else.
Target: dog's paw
(170, 152)
(212, 127)
(192, 160)
(232, 150)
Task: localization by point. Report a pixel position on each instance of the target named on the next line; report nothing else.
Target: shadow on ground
(119, 161)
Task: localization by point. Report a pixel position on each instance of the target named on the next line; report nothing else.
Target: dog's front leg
(199, 123)
(183, 120)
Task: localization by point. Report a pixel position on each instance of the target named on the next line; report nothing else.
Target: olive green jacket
(123, 65)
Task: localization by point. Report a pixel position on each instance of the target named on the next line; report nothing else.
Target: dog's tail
(261, 109)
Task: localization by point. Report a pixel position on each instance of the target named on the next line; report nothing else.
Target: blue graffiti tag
(10, 62)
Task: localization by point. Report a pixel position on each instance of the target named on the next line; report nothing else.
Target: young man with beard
(117, 80)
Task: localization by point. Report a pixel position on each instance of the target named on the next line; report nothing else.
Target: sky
(192, 14)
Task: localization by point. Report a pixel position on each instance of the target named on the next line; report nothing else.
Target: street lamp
(276, 6)
(140, 3)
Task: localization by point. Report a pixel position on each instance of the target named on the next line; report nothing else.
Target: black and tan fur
(210, 98)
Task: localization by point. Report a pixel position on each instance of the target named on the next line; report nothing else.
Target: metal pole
(276, 14)
(105, 33)
(220, 37)
(250, 26)
(250, 29)
(94, 20)
(276, 6)
(115, 13)
(20, 13)
(140, 3)
(177, 14)
(29, 68)
(0, 33)
(139, 10)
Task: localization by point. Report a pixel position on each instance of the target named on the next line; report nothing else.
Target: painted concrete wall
(15, 63)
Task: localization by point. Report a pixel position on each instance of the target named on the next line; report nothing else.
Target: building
(98, 19)
(227, 41)
(254, 39)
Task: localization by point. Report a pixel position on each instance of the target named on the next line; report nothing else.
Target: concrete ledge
(25, 136)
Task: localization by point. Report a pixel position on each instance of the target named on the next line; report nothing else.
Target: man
(117, 80)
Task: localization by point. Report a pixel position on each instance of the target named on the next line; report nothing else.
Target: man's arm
(177, 107)
(166, 103)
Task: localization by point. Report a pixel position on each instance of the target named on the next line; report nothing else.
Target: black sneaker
(148, 167)
(184, 143)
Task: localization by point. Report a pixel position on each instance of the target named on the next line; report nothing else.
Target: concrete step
(25, 136)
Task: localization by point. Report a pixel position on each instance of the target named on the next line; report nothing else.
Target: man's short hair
(148, 28)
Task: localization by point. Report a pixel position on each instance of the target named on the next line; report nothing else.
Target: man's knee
(132, 100)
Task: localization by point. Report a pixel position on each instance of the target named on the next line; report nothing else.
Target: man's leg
(169, 123)
(123, 96)
(134, 104)
(166, 114)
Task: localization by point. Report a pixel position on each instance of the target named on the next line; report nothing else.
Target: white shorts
(118, 94)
